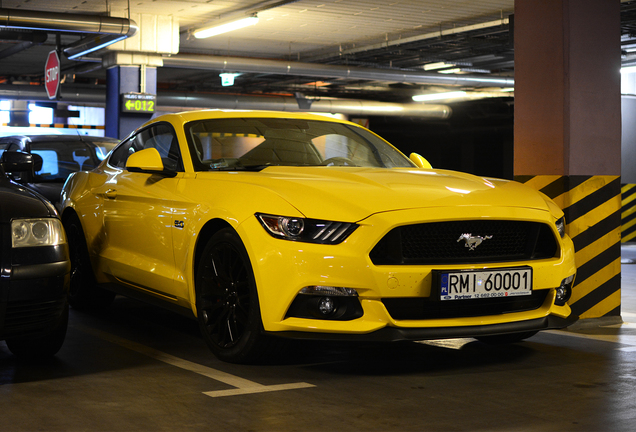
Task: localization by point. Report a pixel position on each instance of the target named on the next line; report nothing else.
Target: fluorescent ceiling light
(438, 96)
(224, 28)
(508, 89)
(450, 71)
(438, 65)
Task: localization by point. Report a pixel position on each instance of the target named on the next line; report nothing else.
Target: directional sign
(138, 103)
(52, 75)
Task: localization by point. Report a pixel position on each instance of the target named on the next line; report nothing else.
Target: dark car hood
(50, 190)
(18, 201)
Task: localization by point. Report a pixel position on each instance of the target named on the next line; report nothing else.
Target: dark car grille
(31, 316)
(438, 243)
(407, 308)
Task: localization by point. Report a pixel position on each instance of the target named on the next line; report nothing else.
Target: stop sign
(52, 74)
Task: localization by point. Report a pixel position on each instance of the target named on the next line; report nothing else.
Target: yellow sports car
(265, 225)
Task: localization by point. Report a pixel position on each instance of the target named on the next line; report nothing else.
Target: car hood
(18, 201)
(356, 193)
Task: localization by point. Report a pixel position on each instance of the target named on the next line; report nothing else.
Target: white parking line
(628, 341)
(242, 385)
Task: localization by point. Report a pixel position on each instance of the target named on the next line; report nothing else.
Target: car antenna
(79, 135)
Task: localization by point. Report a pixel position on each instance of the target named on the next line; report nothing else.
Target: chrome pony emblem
(471, 241)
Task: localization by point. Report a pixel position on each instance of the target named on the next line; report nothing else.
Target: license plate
(465, 285)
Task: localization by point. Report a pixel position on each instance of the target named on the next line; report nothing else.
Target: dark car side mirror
(19, 164)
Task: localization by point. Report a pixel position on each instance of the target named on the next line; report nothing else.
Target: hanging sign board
(138, 103)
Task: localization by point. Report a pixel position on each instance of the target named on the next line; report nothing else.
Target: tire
(228, 309)
(41, 347)
(83, 291)
(506, 338)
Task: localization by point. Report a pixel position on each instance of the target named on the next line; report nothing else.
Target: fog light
(564, 292)
(326, 306)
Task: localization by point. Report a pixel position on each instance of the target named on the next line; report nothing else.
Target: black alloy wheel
(227, 301)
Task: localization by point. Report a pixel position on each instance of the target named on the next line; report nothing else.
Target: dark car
(57, 156)
(35, 266)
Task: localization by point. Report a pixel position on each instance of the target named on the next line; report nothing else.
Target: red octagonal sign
(52, 74)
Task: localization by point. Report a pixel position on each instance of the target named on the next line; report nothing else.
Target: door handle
(111, 193)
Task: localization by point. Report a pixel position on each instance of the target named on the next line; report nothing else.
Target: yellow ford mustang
(264, 224)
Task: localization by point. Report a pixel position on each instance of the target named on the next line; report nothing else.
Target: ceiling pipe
(176, 101)
(26, 40)
(105, 30)
(189, 101)
(281, 67)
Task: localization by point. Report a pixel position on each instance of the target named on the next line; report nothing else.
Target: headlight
(306, 230)
(560, 226)
(37, 232)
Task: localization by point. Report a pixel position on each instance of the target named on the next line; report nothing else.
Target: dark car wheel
(83, 291)
(41, 347)
(506, 338)
(227, 301)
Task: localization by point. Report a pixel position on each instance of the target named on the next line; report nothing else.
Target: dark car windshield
(61, 158)
(255, 143)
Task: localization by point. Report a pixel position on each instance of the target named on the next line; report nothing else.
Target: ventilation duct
(280, 67)
(174, 101)
(106, 30)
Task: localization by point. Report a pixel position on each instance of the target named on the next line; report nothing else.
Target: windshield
(254, 143)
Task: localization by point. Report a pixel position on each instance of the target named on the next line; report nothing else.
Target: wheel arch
(68, 213)
(205, 234)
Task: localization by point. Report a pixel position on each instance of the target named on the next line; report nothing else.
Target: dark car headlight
(560, 226)
(306, 230)
(37, 232)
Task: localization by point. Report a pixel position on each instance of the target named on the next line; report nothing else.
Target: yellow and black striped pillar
(628, 213)
(592, 207)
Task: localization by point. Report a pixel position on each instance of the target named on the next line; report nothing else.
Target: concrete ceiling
(383, 35)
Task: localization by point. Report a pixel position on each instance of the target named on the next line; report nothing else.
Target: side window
(120, 155)
(160, 137)
(50, 164)
(163, 138)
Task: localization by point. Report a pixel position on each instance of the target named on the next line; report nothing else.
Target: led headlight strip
(306, 230)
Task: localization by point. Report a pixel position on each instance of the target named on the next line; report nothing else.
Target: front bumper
(282, 268)
(33, 294)
(394, 334)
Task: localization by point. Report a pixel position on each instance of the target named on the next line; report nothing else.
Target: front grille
(409, 308)
(439, 243)
(31, 316)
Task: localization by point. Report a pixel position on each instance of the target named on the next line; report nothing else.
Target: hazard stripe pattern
(60, 126)
(628, 213)
(592, 208)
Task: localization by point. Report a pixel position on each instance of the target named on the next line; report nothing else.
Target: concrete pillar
(126, 79)
(568, 132)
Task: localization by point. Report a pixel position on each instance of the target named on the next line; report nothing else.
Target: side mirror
(420, 161)
(17, 162)
(147, 161)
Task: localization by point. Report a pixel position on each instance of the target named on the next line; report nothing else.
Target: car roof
(188, 116)
(59, 138)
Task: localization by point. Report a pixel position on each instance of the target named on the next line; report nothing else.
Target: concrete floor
(138, 368)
